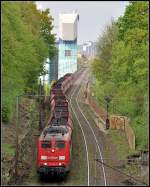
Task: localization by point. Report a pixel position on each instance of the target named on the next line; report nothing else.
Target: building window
(67, 52)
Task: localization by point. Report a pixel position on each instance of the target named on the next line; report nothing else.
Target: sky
(93, 15)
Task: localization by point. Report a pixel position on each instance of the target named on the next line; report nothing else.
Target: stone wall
(122, 123)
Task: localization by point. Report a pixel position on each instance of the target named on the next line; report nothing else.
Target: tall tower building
(53, 65)
(67, 57)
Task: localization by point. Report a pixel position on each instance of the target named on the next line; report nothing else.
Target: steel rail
(104, 174)
(87, 155)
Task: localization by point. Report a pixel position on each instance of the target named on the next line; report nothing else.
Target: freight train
(54, 145)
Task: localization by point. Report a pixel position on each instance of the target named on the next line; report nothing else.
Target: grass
(124, 107)
(8, 149)
(142, 134)
(120, 141)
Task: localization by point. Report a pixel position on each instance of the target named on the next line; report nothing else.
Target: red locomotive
(55, 143)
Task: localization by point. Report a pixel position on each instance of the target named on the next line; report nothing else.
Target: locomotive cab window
(60, 144)
(67, 52)
(46, 144)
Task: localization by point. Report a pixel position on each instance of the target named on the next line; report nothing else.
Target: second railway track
(95, 175)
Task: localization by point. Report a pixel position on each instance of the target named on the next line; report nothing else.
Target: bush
(5, 114)
(121, 68)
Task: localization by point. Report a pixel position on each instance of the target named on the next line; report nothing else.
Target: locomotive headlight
(61, 157)
(53, 150)
(43, 157)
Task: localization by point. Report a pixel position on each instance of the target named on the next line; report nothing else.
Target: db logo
(52, 157)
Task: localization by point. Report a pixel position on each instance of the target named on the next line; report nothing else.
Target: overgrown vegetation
(26, 42)
(8, 149)
(121, 68)
(119, 139)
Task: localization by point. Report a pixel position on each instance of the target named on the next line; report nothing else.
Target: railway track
(94, 135)
(95, 175)
(88, 146)
(94, 142)
(85, 170)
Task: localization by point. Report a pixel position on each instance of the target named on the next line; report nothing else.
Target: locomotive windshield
(46, 144)
(60, 144)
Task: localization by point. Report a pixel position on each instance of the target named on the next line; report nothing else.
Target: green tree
(121, 67)
(101, 65)
(135, 16)
(24, 51)
(46, 32)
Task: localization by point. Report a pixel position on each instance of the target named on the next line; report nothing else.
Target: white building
(67, 57)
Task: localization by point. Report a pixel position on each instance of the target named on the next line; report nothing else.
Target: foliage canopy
(121, 67)
(24, 50)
